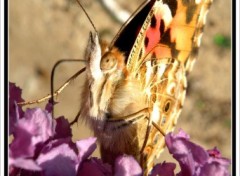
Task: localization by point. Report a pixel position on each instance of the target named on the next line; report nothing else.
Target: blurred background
(42, 32)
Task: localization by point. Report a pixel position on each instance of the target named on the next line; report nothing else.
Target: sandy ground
(44, 31)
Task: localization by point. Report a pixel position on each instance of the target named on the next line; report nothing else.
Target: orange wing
(160, 43)
(164, 50)
(172, 29)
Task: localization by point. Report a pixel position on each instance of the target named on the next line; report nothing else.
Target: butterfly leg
(120, 122)
(57, 92)
(133, 118)
(146, 148)
(76, 118)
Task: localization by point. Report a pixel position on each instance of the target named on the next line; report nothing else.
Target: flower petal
(188, 154)
(63, 128)
(193, 159)
(164, 169)
(127, 165)
(22, 145)
(42, 120)
(94, 166)
(14, 110)
(86, 148)
(58, 158)
(213, 169)
(35, 128)
(27, 164)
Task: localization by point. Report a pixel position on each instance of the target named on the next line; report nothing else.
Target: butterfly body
(136, 86)
(114, 96)
(109, 89)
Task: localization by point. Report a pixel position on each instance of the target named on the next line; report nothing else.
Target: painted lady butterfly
(135, 87)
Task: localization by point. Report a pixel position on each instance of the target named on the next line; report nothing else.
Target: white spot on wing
(161, 69)
(199, 38)
(148, 91)
(165, 12)
(197, 1)
(148, 72)
(183, 97)
(167, 15)
(205, 17)
(155, 115)
(170, 87)
(190, 64)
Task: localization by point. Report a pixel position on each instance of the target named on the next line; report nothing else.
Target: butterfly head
(103, 61)
(112, 61)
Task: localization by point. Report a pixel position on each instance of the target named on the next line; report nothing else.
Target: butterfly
(136, 85)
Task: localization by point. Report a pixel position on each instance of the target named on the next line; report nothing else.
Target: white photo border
(2, 88)
(237, 135)
(237, 89)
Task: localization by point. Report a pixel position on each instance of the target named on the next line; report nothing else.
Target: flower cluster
(43, 146)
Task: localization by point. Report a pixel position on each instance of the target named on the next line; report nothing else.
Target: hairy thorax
(112, 95)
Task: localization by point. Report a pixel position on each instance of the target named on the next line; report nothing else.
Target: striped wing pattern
(163, 53)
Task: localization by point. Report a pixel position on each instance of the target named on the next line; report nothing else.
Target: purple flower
(63, 157)
(216, 164)
(193, 159)
(91, 166)
(94, 166)
(63, 128)
(124, 166)
(58, 158)
(28, 164)
(35, 127)
(163, 169)
(86, 147)
(15, 112)
(43, 146)
(127, 165)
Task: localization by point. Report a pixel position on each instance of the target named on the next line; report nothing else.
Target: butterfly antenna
(95, 29)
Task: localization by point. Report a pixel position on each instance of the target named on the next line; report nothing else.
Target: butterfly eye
(108, 62)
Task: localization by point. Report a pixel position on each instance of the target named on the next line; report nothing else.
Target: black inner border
(234, 65)
(6, 86)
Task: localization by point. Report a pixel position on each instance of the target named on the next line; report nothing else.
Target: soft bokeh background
(44, 31)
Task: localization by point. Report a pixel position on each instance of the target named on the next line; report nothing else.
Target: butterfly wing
(164, 27)
(161, 44)
(125, 38)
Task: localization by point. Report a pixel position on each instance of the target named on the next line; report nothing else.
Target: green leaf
(222, 41)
